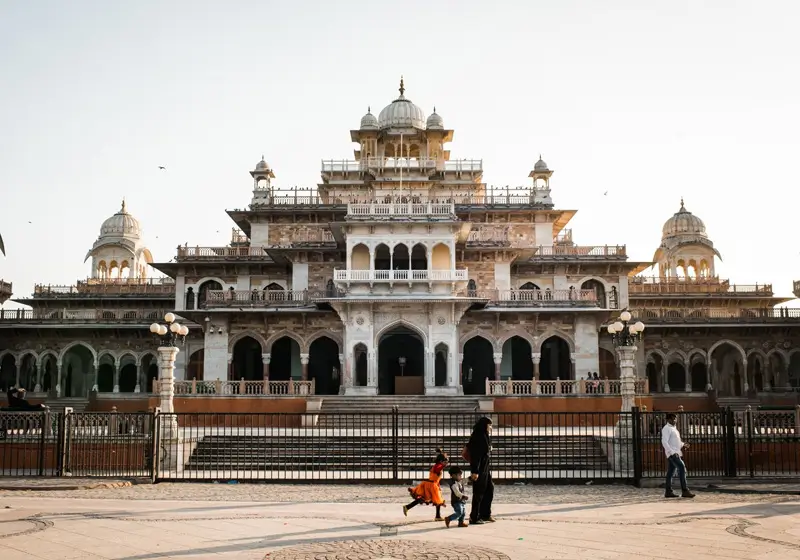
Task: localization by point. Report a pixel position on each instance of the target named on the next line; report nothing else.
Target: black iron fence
(390, 447)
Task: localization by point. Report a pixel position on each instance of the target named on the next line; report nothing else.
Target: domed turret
(121, 224)
(401, 113)
(368, 121)
(683, 222)
(540, 165)
(262, 165)
(435, 121)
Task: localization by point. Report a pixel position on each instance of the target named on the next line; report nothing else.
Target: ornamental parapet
(408, 165)
(216, 299)
(579, 252)
(712, 315)
(102, 316)
(198, 253)
(704, 286)
(447, 275)
(400, 210)
(563, 388)
(537, 298)
(107, 286)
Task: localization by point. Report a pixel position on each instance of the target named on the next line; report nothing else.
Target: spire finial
(369, 109)
(540, 155)
(402, 86)
(682, 206)
(434, 108)
(124, 206)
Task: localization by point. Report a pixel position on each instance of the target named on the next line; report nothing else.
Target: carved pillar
(460, 372)
(96, 373)
(745, 376)
(304, 367)
(117, 366)
(687, 380)
(785, 375)
(711, 371)
(59, 364)
(18, 363)
(498, 359)
(265, 359)
(38, 387)
(572, 374)
(536, 357)
(139, 376)
(664, 376)
(230, 367)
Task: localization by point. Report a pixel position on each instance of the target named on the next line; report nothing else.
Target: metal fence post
(729, 442)
(748, 416)
(43, 440)
(155, 456)
(637, 445)
(62, 448)
(395, 442)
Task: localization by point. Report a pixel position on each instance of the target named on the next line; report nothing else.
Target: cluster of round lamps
(174, 328)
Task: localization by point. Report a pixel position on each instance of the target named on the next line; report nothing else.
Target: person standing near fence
(480, 451)
(673, 447)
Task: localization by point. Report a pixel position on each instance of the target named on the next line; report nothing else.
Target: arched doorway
(401, 362)
(77, 372)
(555, 362)
(324, 367)
(676, 377)
(149, 368)
(196, 366)
(8, 372)
(608, 366)
(652, 377)
(27, 372)
(599, 291)
(794, 370)
(49, 373)
(440, 365)
(360, 359)
(127, 374)
(247, 361)
(517, 362)
(477, 366)
(284, 363)
(105, 374)
(205, 287)
(698, 374)
(730, 370)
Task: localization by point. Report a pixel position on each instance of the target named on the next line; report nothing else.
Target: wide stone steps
(76, 404)
(459, 408)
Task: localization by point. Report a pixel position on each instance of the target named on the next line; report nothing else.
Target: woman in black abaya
(480, 451)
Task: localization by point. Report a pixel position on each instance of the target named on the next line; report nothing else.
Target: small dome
(121, 224)
(434, 121)
(262, 165)
(401, 113)
(540, 165)
(683, 222)
(368, 121)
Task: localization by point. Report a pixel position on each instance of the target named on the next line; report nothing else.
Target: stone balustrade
(563, 387)
(91, 287)
(66, 315)
(261, 298)
(220, 388)
(221, 253)
(583, 252)
(408, 165)
(706, 286)
(351, 275)
(716, 315)
(381, 210)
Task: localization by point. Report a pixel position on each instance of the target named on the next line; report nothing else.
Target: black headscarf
(479, 442)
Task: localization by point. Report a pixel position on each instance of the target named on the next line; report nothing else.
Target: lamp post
(168, 336)
(625, 335)
(402, 361)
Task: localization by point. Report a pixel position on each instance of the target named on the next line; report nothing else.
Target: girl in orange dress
(429, 492)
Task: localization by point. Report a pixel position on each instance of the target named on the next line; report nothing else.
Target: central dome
(121, 224)
(683, 222)
(401, 113)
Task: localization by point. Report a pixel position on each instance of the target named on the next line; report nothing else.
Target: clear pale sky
(646, 100)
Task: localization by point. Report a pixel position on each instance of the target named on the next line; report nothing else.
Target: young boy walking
(457, 497)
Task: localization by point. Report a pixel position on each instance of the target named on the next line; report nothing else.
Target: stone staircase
(77, 404)
(414, 410)
(737, 404)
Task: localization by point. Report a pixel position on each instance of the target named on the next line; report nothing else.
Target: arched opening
(149, 369)
(517, 362)
(284, 363)
(401, 258)
(529, 286)
(698, 377)
(324, 366)
(775, 363)
(27, 372)
(756, 372)
(105, 374)
(190, 298)
(555, 362)
(472, 288)
(794, 370)
(196, 365)
(401, 362)
(652, 377)
(359, 259)
(360, 359)
(8, 372)
(275, 292)
(383, 258)
(77, 372)
(730, 372)
(113, 269)
(205, 287)
(419, 257)
(599, 291)
(49, 373)
(247, 360)
(608, 366)
(440, 365)
(477, 366)
(676, 377)
(440, 257)
(128, 374)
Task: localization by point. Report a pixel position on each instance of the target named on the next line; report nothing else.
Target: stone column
(265, 359)
(785, 375)
(18, 363)
(117, 366)
(430, 367)
(623, 431)
(59, 365)
(172, 449)
(710, 371)
(745, 375)
(139, 375)
(664, 376)
(96, 373)
(498, 359)
(38, 387)
(537, 358)
(304, 367)
(572, 373)
(687, 379)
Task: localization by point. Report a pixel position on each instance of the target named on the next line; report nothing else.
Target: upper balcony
(190, 254)
(401, 210)
(537, 298)
(407, 165)
(796, 288)
(102, 317)
(652, 316)
(579, 252)
(404, 275)
(100, 287)
(711, 286)
(219, 299)
(489, 237)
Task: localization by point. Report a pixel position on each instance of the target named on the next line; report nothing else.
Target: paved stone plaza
(260, 521)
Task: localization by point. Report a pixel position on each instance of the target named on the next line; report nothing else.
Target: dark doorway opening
(247, 361)
(478, 365)
(324, 367)
(555, 361)
(401, 363)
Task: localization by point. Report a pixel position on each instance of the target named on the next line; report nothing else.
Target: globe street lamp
(168, 336)
(625, 334)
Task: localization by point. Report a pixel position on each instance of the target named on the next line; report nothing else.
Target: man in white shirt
(673, 447)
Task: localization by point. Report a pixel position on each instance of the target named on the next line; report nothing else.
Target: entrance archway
(608, 366)
(8, 372)
(196, 365)
(247, 361)
(77, 372)
(360, 358)
(105, 374)
(127, 374)
(440, 365)
(284, 363)
(324, 366)
(401, 362)
(676, 377)
(478, 365)
(698, 377)
(517, 359)
(555, 362)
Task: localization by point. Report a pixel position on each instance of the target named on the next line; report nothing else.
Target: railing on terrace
(462, 201)
(221, 253)
(540, 298)
(712, 285)
(238, 237)
(400, 209)
(262, 298)
(219, 388)
(563, 387)
(775, 314)
(350, 275)
(83, 315)
(406, 164)
(112, 286)
(579, 252)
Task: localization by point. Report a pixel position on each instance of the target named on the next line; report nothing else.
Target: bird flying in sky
(162, 167)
